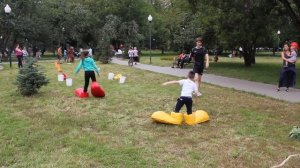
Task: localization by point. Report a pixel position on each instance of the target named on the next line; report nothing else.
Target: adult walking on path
(238, 84)
(201, 59)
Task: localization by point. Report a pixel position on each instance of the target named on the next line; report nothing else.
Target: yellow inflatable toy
(57, 66)
(163, 117)
(177, 118)
(117, 77)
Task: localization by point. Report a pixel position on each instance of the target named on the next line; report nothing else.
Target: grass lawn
(56, 129)
(266, 69)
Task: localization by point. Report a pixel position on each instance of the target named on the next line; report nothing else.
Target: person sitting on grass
(188, 89)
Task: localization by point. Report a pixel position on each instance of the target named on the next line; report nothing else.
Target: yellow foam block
(117, 77)
(57, 66)
(163, 117)
(201, 116)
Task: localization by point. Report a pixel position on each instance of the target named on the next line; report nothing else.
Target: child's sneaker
(198, 94)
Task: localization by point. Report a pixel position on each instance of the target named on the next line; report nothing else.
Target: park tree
(244, 24)
(293, 9)
(17, 26)
(129, 33)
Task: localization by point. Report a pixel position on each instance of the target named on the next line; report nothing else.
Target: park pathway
(248, 86)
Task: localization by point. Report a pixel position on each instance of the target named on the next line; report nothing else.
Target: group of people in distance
(133, 53)
(66, 54)
(21, 53)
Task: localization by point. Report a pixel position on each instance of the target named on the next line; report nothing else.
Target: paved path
(255, 87)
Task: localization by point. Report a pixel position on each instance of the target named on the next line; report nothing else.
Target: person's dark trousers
(87, 76)
(20, 64)
(187, 101)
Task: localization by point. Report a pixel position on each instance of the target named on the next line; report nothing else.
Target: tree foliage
(175, 25)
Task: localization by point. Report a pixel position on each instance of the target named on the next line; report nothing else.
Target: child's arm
(293, 57)
(170, 82)
(207, 60)
(78, 67)
(96, 68)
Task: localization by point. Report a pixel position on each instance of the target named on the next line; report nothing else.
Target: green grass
(266, 69)
(56, 129)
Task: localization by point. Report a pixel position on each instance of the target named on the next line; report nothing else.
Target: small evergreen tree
(30, 79)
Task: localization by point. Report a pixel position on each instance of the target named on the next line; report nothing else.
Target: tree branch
(291, 12)
(287, 159)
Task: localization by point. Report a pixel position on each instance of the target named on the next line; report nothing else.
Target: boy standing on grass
(188, 89)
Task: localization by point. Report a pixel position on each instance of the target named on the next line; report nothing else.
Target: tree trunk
(162, 50)
(247, 59)
(253, 52)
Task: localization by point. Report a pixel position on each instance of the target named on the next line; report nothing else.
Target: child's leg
(20, 62)
(179, 104)
(189, 104)
(87, 75)
(93, 76)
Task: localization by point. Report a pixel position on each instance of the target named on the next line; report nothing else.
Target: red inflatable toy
(79, 92)
(295, 44)
(97, 90)
(65, 76)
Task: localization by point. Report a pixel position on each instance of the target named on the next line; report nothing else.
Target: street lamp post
(150, 20)
(63, 37)
(7, 10)
(278, 34)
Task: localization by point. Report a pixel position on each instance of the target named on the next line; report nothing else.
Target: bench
(181, 63)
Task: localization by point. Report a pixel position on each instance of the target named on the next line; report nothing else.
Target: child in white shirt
(188, 89)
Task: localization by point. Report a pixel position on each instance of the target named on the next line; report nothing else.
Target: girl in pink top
(19, 55)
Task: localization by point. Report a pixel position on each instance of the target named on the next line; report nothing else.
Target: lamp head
(7, 9)
(278, 32)
(150, 18)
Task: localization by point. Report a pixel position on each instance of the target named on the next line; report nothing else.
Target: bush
(30, 79)
(295, 133)
(105, 56)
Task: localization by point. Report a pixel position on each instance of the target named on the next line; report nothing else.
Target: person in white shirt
(188, 89)
(90, 52)
(25, 54)
(135, 55)
(130, 52)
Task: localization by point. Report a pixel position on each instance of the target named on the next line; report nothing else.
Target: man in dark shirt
(201, 59)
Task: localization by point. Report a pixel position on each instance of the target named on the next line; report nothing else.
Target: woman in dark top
(288, 71)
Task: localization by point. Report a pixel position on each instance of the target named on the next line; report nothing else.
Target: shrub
(30, 79)
(105, 55)
(295, 133)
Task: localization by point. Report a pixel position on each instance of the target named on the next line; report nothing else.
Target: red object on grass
(97, 90)
(65, 76)
(295, 44)
(79, 92)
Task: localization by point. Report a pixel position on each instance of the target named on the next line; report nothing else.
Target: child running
(89, 66)
(188, 89)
